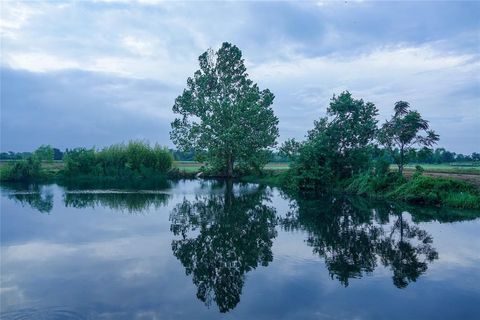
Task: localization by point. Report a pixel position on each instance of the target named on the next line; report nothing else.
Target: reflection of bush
(34, 196)
(132, 202)
(153, 182)
(352, 237)
(222, 237)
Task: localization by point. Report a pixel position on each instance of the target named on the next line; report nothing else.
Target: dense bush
(22, 170)
(135, 159)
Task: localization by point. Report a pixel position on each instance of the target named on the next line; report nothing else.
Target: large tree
(403, 132)
(224, 116)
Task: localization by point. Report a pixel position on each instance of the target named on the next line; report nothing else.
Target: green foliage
(377, 181)
(418, 171)
(135, 159)
(438, 191)
(224, 117)
(403, 131)
(289, 149)
(44, 153)
(79, 161)
(338, 146)
(22, 170)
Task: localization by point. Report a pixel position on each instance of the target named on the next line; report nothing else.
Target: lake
(203, 249)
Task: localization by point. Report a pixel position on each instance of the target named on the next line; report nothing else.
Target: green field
(193, 166)
(444, 168)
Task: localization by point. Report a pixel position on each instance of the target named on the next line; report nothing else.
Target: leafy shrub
(135, 159)
(22, 170)
(79, 161)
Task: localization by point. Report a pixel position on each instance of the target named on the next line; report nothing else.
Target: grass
(438, 191)
(443, 168)
(193, 166)
(54, 167)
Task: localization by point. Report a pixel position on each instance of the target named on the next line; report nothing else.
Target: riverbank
(424, 188)
(418, 189)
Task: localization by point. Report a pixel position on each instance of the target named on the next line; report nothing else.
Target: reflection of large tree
(222, 237)
(352, 237)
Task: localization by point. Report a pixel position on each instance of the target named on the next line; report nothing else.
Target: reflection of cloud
(37, 252)
(457, 252)
(125, 248)
(11, 295)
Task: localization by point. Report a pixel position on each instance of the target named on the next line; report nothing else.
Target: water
(207, 250)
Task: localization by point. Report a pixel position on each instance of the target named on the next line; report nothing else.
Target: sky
(94, 73)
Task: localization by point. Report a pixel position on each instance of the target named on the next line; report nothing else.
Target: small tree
(44, 153)
(289, 149)
(403, 132)
(224, 117)
(339, 146)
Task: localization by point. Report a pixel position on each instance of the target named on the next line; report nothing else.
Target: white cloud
(14, 15)
(39, 62)
(303, 53)
(138, 46)
(381, 76)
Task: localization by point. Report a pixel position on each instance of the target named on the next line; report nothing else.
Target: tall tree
(224, 117)
(403, 132)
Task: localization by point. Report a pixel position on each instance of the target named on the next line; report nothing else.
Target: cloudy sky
(92, 73)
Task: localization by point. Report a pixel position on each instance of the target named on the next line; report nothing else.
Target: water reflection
(34, 196)
(407, 250)
(131, 202)
(221, 232)
(353, 238)
(222, 237)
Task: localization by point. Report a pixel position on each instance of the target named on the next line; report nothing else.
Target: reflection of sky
(101, 263)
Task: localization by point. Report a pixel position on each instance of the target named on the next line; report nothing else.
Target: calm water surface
(207, 250)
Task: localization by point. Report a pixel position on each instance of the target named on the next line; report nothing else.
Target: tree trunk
(402, 159)
(229, 166)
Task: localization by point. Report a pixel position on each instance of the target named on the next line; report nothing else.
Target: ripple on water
(42, 313)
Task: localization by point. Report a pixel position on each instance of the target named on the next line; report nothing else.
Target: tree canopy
(223, 116)
(403, 131)
(337, 146)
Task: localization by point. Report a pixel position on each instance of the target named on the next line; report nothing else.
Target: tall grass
(438, 191)
(134, 159)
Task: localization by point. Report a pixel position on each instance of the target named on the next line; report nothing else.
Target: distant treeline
(424, 155)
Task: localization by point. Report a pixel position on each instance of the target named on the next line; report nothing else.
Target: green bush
(79, 161)
(371, 184)
(135, 159)
(22, 170)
